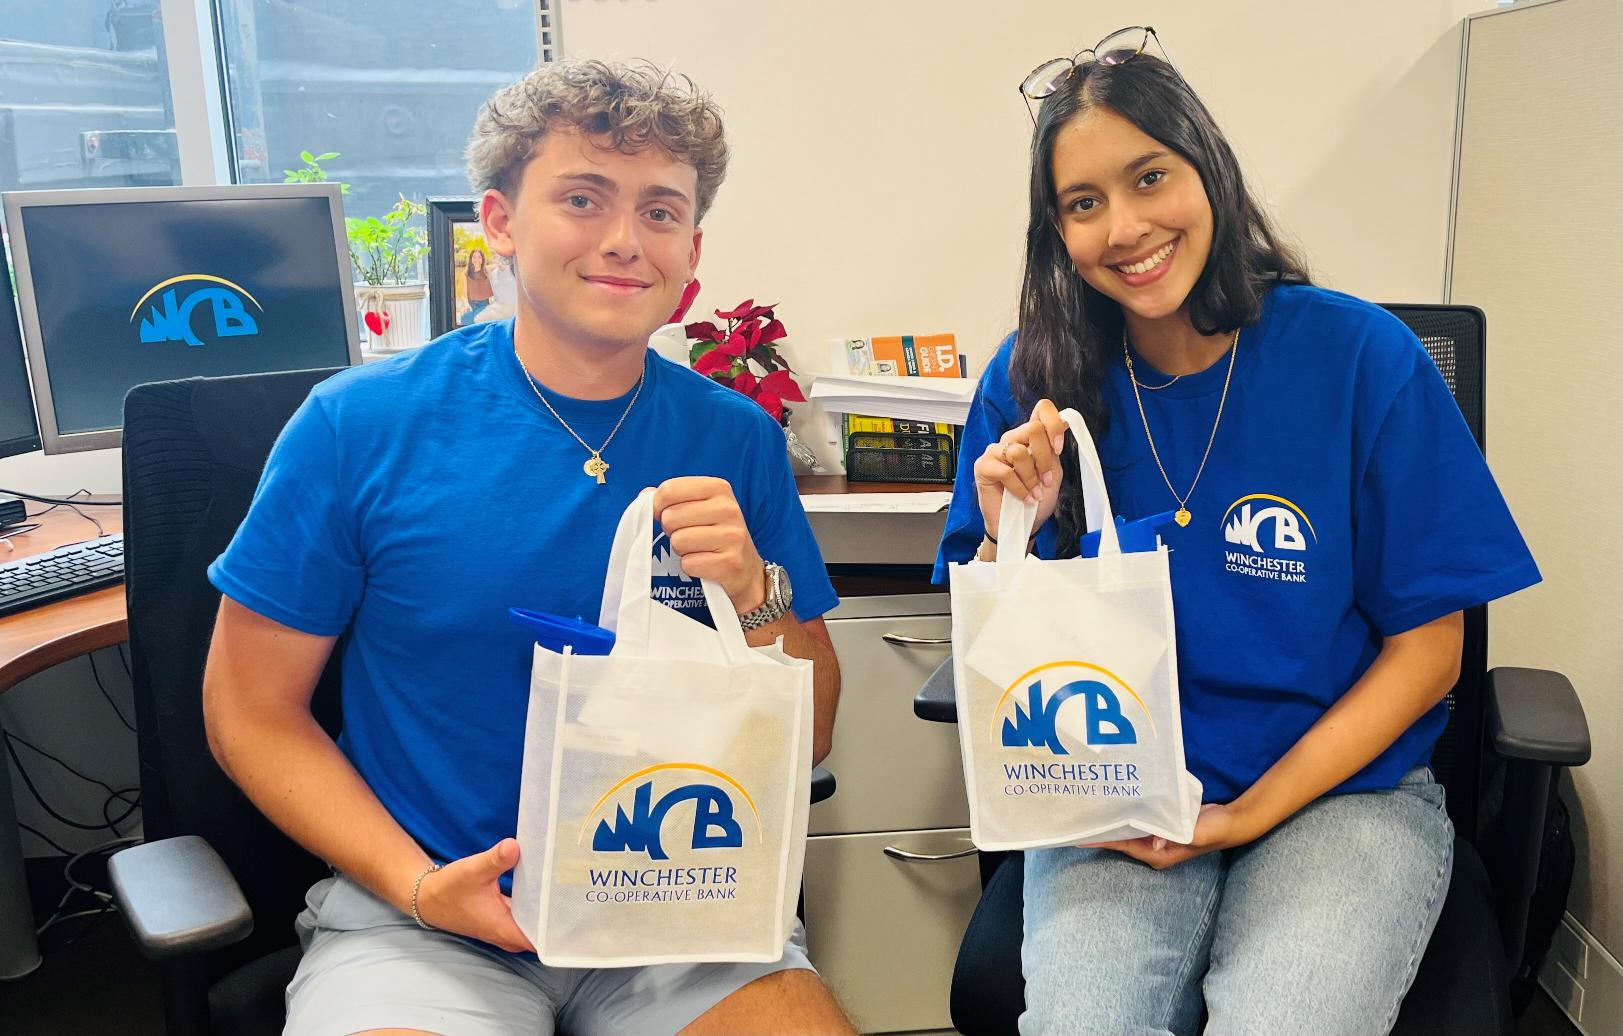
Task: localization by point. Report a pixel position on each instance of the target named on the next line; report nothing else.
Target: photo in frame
(468, 283)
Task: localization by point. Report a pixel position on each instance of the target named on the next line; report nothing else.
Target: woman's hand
(1026, 461)
(1218, 827)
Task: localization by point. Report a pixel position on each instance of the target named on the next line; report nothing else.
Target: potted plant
(386, 253)
(744, 356)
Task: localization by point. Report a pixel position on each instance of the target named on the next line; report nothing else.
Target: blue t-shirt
(1345, 500)
(412, 502)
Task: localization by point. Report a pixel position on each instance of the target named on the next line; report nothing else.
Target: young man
(409, 503)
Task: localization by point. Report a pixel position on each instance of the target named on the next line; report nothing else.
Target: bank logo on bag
(1027, 717)
(642, 804)
(640, 829)
(1276, 534)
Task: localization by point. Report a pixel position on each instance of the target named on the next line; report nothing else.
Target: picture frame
(456, 243)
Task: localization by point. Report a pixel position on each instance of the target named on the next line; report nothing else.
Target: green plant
(311, 171)
(387, 249)
(383, 249)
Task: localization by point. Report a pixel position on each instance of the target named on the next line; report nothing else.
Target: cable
(17, 530)
(103, 689)
(42, 836)
(22, 771)
(125, 660)
(60, 501)
(131, 807)
(92, 926)
(75, 885)
(58, 760)
(69, 502)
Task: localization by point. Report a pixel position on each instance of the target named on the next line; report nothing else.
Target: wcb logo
(1243, 523)
(170, 318)
(1032, 721)
(715, 824)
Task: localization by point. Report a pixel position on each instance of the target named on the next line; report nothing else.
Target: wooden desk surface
(39, 638)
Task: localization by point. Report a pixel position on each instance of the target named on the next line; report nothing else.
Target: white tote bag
(1067, 685)
(666, 787)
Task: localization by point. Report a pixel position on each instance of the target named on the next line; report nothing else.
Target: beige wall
(1537, 247)
(878, 183)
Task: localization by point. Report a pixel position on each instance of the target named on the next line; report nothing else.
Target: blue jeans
(1317, 927)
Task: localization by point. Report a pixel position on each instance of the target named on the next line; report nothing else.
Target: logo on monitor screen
(169, 319)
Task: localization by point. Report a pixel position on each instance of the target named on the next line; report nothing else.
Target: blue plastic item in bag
(1137, 537)
(554, 632)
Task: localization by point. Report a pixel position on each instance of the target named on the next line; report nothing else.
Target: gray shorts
(368, 966)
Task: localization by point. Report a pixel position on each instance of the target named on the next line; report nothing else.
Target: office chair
(1509, 731)
(212, 864)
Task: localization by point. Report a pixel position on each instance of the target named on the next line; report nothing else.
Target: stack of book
(898, 446)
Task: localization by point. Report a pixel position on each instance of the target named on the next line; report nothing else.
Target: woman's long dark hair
(1069, 332)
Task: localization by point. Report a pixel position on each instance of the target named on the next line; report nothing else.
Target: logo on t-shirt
(1276, 535)
(671, 587)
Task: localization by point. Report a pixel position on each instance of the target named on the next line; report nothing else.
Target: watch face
(786, 592)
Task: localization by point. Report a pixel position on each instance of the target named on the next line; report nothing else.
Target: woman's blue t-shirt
(1344, 501)
(411, 502)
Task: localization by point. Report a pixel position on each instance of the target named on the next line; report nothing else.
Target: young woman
(478, 281)
(1334, 517)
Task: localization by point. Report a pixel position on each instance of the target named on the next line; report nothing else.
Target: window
(392, 86)
(84, 96)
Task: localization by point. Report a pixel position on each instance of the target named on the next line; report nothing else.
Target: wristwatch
(779, 594)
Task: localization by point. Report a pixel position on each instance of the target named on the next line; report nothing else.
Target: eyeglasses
(1119, 47)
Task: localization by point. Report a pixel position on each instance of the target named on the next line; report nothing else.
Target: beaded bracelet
(416, 887)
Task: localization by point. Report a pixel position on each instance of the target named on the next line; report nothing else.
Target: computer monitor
(19, 431)
(122, 286)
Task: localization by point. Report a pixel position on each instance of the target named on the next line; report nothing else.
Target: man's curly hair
(626, 107)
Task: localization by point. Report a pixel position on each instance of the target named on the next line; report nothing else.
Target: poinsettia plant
(742, 355)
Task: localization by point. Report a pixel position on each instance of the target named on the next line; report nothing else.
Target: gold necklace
(1147, 388)
(1183, 516)
(595, 466)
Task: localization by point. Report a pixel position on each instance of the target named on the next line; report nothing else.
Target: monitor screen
(125, 286)
(19, 432)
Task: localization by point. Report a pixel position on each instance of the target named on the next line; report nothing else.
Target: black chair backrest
(193, 454)
(1455, 336)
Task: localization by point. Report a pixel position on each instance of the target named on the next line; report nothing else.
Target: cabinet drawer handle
(902, 640)
(907, 857)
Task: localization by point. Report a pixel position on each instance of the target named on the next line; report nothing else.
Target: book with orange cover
(921, 356)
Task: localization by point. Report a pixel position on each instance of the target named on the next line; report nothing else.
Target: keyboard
(64, 572)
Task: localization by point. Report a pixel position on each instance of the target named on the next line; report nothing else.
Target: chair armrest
(177, 897)
(822, 784)
(1534, 715)
(936, 700)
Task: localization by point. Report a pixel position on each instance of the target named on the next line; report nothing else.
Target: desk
(30, 642)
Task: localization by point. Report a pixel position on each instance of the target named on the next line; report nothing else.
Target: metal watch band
(776, 605)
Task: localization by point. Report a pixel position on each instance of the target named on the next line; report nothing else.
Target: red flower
(772, 332)
(689, 293)
(771, 404)
(705, 331)
(734, 345)
(724, 355)
(746, 310)
(713, 361)
(780, 384)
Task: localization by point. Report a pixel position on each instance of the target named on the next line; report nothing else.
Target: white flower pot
(405, 307)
